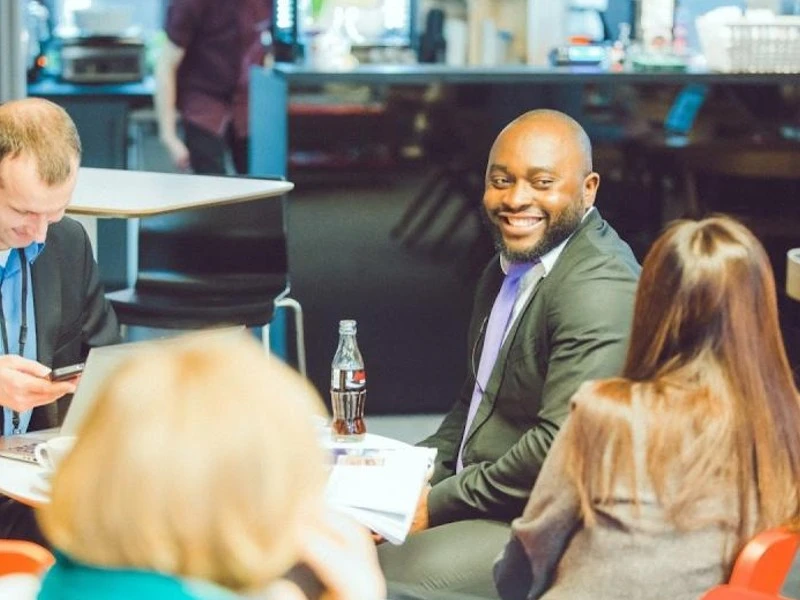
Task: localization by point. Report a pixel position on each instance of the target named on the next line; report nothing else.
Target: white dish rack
(751, 46)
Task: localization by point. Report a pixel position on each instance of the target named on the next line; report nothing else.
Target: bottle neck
(347, 340)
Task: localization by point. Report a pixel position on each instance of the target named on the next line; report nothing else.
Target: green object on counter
(659, 63)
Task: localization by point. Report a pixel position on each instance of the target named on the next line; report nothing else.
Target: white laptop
(100, 363)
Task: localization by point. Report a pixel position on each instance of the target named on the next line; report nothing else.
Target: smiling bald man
(567, 321)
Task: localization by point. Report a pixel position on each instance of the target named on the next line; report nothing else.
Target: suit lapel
(486, 407)
(47, 303)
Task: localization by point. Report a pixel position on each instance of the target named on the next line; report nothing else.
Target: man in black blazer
(570, 323)
(53, 308)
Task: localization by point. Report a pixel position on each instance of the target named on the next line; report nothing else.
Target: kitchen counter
(415, 74)
(53, 87)
(511, 89)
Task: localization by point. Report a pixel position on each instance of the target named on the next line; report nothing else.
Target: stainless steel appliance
(12, 50)
(37, 26)
(102, 59)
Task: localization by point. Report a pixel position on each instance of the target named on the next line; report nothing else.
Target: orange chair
(764, 562)
(761, 567)
(17, 556)
(729, 592)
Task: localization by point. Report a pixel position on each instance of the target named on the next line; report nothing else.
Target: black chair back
(218, 265)
(233, 248)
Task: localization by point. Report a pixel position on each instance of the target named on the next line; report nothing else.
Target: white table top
(120, 193)
(26, 483)
(23, 481)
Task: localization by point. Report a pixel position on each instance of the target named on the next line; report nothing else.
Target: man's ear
(590, 185)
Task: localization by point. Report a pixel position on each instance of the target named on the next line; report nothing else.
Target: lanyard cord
(23, 325)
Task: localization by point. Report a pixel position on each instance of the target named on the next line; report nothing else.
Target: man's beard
(557, 230)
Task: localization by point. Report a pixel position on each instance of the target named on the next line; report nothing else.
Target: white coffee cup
(49, 454)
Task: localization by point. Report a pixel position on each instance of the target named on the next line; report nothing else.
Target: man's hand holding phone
(67, 373)
(25, 384)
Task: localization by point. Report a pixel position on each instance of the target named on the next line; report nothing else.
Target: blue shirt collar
(33, 250)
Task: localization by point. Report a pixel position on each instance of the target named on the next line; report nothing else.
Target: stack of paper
(378, 482)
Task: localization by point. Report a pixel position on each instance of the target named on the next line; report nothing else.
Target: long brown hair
(708, 382)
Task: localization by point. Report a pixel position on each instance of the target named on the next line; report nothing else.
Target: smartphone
(65, 373)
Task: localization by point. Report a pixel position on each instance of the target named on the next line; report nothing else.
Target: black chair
(456, 141)
(213, 266)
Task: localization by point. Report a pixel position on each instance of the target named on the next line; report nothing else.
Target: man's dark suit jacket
(72, 314)
(574, 328)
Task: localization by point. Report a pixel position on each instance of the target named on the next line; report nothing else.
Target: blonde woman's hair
(199, 459)
(43, 130)
(706, 383)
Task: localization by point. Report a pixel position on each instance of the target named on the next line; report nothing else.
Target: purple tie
(495, 334)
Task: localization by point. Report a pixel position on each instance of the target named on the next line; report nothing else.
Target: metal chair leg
(265, 337)
(300, 343)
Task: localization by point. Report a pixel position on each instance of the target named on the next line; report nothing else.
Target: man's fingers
(39, 386)
(22, 391)
(62, 388)
(24, 365)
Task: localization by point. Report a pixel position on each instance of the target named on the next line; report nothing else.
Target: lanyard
(23, 324)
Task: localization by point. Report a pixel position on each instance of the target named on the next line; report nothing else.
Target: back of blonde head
(708, 383)
(198, 459)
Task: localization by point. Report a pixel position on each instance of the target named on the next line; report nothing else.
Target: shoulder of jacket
(593, 249)
(65, 229)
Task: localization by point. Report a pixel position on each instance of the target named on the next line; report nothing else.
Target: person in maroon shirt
(202, 74)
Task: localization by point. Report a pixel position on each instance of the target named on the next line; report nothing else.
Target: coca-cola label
(347, 379)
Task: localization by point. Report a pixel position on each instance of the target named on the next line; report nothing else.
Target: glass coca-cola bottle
(348, 386)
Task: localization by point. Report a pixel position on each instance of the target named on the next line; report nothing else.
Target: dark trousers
(207, 150)
(18, 522)
(445, 561)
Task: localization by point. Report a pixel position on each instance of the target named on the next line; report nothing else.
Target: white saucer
(41, 483)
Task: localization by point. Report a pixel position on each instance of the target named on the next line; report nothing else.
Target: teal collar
(70, 579)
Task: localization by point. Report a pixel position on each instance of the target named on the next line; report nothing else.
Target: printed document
(378, 482)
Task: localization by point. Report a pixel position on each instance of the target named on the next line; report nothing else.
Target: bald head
(539, 184)
(43, 131)
(557, 124)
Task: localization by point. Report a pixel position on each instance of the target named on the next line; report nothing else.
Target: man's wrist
(427, 514)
